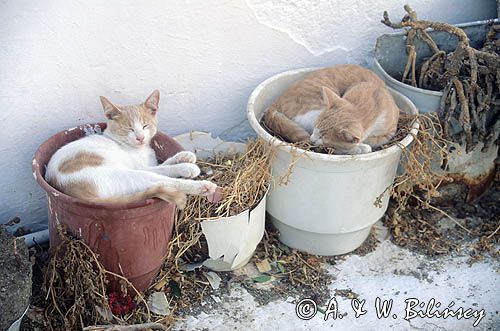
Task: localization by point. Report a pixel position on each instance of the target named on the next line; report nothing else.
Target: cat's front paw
(360, 149)
(182, 157)
(188, 170)
(364, 148)
(207, 187)
(180, 201)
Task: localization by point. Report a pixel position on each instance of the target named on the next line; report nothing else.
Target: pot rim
(397, 147)
(50, 190)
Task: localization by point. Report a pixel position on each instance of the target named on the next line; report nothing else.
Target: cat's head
(133, 125)
(332, 130)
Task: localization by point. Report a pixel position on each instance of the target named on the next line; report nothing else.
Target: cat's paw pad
(189, 170)
(184, 157)
(207, 188)
(217, 196)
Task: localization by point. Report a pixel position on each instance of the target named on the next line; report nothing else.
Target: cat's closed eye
(146, 126)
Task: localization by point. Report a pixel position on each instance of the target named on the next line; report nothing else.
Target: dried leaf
(263, 266)
(280, 267)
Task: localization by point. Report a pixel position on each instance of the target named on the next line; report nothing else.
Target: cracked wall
(57, 57)
(352, 26)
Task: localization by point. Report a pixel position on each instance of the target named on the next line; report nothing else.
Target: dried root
(466, 76)
(419, 163)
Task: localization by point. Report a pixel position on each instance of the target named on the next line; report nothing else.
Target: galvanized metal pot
(472, 172)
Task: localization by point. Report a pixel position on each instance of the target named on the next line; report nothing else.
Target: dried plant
(468, 77)
(244, 179)
(75, 287)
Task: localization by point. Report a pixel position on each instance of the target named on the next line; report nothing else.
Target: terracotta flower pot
(130, 239)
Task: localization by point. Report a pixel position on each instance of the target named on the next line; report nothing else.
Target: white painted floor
(390, 272)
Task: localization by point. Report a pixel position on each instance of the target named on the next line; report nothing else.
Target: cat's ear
(110, 110)
(330, 98)
(350, 137)
(153, 100)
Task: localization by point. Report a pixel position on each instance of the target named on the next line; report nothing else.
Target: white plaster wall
(57, 57)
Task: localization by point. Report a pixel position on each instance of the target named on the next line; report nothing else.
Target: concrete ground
(388, 273)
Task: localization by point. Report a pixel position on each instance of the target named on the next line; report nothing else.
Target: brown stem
(424, 35)
(427, 65)
(473, 67)
(491, 59)
(388, 22)
(449, 113)
(464, 116)
(411, 13)
(410, 64)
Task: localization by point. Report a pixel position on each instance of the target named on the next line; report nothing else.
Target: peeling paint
(344, 26)
(309, 25)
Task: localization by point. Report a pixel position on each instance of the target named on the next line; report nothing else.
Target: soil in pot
(15, 278)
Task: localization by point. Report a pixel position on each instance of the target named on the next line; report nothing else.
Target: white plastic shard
(213, 279)
(158, 304)
(231, 240)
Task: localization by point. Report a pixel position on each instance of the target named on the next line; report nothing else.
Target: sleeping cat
(346, 107)
(120, 165)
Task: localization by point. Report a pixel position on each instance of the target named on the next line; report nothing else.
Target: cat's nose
(140, 139)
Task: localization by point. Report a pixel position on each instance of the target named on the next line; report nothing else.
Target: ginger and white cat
(346, 107)
(120, 165)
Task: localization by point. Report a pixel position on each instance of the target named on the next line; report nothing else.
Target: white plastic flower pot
(17, 324)
(328, 206)
(231, 240)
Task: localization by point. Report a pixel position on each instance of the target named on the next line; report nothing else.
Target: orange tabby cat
(346, 107)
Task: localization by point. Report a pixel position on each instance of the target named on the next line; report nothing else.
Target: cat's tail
(159, 191)
(284, 127)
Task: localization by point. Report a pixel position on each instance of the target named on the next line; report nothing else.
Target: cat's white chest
(307, 120)
(142, 158)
